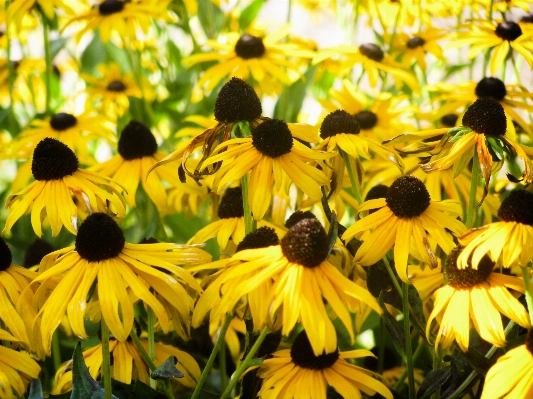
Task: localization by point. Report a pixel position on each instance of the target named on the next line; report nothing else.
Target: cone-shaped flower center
(36, 252)
(529, 341)
(303, 356)
(108, 7)
(486, 116)
(63, 121)
(116, 86)
(261, 238)
(517, 207)
(415, 42)
(466, 278)
(306, 243)
(491, 87)
(272, 138)
(339, 121)
(379, 191)
(298, 216)
(249, 46)
(99, 238)
(408, 197)
(508, 31)
(367, 119)
(136, 141)
(449, 120)
(53, 160)
(372, 51)
(5, 255)
(231, 204)
(237, 101)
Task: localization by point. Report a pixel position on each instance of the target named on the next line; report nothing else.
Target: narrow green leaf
(333, 231)
(433, 381)
(167, 370)
(36, 389)
(250, 13)
(291, 98)
(496, 147)
(211, 18)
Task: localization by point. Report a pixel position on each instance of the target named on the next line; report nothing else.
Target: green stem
(289, 12)
(437, 362)
(381, 345)
(106, 360)
(212, 357)
(142, 351)
(11, 80)
(249, 222)
(48, 62)
(244, 364)
(489, 15)
(56, 351)
(137, 73)
(408, 348)
(471, 213)
(222, 364)
(151, 343)
(351, 174)
(416, 355)
(527, 283)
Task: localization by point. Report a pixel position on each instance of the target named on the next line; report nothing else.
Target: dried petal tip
(306, 243)
(136, 141)
(99, 238)
(237, 101)
(486, 116)
(53, 160)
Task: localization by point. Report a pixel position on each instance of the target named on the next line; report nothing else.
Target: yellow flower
(121, 18)
(510, 377)
(250, 58)
(57, 178)
(503, 36)
(275, 159)
(18, 8)
(16, 369)
(128, 364)
(301, 373)
(137, 155)
(478, 295)
(506, 242)
(101, 255)
(416, 46)
(407, 218)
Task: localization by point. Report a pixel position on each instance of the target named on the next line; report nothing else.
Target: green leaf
(496, 147)
(36, 390)
(291, 98)
(333, 231)
(433, 381)
(211, 18)
(83, 385)
(167, 370)
(138, 390)
(56, 46)
(250, 13)
(94, 54)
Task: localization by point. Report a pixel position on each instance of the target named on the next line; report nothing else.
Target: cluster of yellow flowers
(384, 204)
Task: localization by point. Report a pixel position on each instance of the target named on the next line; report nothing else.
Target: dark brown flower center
(36, 251)
(249, 46)
(108, 7)
(306, 243)
(367, 119)
(408, 197)
(339, 121)
(231, 204)
(517, 207)
(508, 31)
(298, 216)
(529, 341)
(53, 160)
(491, 87)
(261, 238)
(237, 101)
(99, 238)
(449, 120)
(486, 116)
(415, 42)
(372, 51)
(527, 19)
(116, 86)
(63, 121)
(272, 138)
(136, 141)
(5, 255)
(466, 278)
(303, 356)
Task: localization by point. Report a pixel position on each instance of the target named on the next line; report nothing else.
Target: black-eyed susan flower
(502, 37)
(508, 241)
(300, 372)
(102, 256)
(128, 364)
(477, 295)
(263, 60)
(275, 160)
(137, 155)
(373, 60)
(406, 219)
(415, 47)
(510, 377)
(57, 179)
(16, 369)
(36, 251)
(121, 18)
(302, 279)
